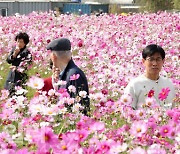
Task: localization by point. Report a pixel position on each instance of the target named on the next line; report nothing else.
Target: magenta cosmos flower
(166, 131)
(74, 77)
(45, 139)
(151, 93)
(164, 93)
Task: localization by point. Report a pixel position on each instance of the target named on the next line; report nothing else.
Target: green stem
(60, 131)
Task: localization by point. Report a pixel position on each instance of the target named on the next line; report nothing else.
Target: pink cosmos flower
(174, 114)
(126, 99)
(89, 150)
(81, 135)
(97, 126)
(138, 150)
(150, 102)
(69, 143)
(8, 114)
(103, 147)
(26, 121)
(138, 128)
(4, 94)
(35, 82)
(63, 93)
(23, 151)
(156, 149)
(6, 142)
(45, 139)
(176, 117)
(8, 151)
(166, 130)
(152, 123)
(84, 123)
(164, 93)
(140, 113)
(74, 77)
(67, 147)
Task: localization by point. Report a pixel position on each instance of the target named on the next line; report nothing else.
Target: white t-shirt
(139, 87)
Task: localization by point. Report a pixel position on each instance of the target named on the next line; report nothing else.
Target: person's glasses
(151, 59)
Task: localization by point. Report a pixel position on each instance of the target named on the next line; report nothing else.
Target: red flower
(48, 40)
(164, 93)
(104, 91)
(113, 56)
(151, 93)
(80, 43)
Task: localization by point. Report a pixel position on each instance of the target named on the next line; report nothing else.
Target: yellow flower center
(64, 147)
(80, 136)
(141, 114)
(50, 112)
(165, 131)
(138, 130)
(46, 137)
(149, 103)
(35, 84)
(125, 100)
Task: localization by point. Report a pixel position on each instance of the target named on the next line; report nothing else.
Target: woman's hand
(16, 51)
(13, 68)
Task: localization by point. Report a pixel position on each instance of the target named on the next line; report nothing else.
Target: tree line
(158, 5)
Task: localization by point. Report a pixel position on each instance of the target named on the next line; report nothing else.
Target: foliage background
(158, 5)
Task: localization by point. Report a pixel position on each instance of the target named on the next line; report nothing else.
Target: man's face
(54, 59)
(153, 64)
(20, 43)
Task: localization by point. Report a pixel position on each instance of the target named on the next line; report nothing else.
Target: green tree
(156, 5)
(176, 4)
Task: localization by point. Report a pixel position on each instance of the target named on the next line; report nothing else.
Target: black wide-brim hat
(62, 44)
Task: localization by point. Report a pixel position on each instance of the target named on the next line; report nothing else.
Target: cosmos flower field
(108, 49)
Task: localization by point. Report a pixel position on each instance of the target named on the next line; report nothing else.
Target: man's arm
(129, 90)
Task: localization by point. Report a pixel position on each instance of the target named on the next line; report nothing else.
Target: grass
(4, 69)
(42, 72)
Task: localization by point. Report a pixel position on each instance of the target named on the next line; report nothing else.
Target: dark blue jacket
(80, 84)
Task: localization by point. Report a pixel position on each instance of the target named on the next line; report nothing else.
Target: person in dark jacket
(68, 71)
(19, 58)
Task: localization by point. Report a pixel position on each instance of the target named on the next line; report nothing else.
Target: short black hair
(151, 50)
(23, 36)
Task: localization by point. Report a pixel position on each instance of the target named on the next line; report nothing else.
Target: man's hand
(56, 73)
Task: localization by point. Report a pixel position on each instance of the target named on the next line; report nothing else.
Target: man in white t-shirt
(151, 84)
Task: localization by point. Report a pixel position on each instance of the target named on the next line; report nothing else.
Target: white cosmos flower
(51, 92)
(76, 107)
(175, 58)
(72, 88)
(21, 91)
(83, 94)
(35, 82)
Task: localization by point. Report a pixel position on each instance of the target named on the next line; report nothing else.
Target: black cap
(62, 44)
